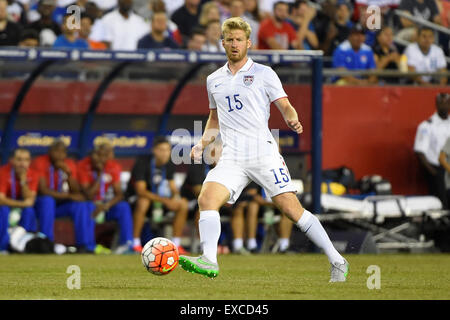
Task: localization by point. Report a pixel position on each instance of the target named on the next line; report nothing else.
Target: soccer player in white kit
(240, 94)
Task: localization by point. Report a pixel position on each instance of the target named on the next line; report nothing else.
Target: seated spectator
(106, 5)
(9, 30)
(153, 185)
(69, 37)
(59, 195)
(158, 37)
(301, 19)
(237, 9)
(423, 9)
(275, 32)
(337, 29)
(48, 29)
(386, 53)
(425, 56)
(120, 29)
(196, 40)
(18, 188)
(444, 161)
(353, 54)
(17, 12)
(209, 11)
(29, 38)
(431, 136)
(266, 7)
(85, 32)
(224, 9)
(187, 17)
(98, 174)
(253, 17)
(213, 34)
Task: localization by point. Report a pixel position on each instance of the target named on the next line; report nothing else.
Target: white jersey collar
(244, 68)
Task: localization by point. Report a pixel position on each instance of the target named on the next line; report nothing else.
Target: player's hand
(64, 167)
(76, 197)
(197, 153)
(171, 204)
(295, 125)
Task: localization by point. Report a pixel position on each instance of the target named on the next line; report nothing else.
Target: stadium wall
(369, 129)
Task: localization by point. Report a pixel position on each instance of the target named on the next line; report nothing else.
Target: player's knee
(206, 203)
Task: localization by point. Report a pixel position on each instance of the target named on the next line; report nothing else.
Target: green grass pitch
(259, 277)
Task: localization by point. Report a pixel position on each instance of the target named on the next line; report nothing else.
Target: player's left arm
(289, 114)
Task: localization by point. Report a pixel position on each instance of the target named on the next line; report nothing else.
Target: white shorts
(271, 173)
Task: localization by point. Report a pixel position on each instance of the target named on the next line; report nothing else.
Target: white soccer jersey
(431, 62)
(431, 136)
(243, 107)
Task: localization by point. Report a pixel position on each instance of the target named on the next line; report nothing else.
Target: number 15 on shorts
(280, 174)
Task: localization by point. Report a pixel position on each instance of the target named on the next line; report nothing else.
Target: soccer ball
(160, 256)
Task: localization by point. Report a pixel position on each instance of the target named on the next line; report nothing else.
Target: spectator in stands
(425, 56)
(444, 39)
(29, 38)
(275, 32)
(187, 17)
(209, 12)
(17, 12)
(213, 35)
(48, 29)
(253, 17)
(353, 54)
(444, 161)
(85, 32)
(431, 136)
(9, 30)
(59, 195)
(18, 187)
(422, 9)
(158, 38)
(224, 9)
(69, 37)
(196, 40)
(98, 175)
(266, 7)
(301, 19)
(152, 181)
(237, 9)
(120, 29)
(386, 53)
(334, 25)
(106, 5)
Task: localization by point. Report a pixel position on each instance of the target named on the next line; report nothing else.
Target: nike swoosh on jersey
(283, 186)
(215, 86)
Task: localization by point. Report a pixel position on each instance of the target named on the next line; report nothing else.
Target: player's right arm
(210, 134)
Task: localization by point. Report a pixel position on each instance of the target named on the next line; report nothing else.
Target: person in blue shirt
(158, 38)
(69, 37)
(301, 18)
(354, 54)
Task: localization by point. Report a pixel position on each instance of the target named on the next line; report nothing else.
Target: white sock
(209, 229)
(136, 242)
(284, 243)
(238, 243)
(251, 244)
(176, 241)
(314, 230)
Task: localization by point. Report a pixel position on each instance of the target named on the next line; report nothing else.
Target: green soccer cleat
(200, 265)
(339, 271)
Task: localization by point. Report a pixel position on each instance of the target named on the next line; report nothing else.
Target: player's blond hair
(236, 23)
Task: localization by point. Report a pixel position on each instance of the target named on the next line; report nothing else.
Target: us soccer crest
(248, 80)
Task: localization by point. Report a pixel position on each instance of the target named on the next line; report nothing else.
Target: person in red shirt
(97, 174)
(18, 187)
(59, 195)
(276, 33)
